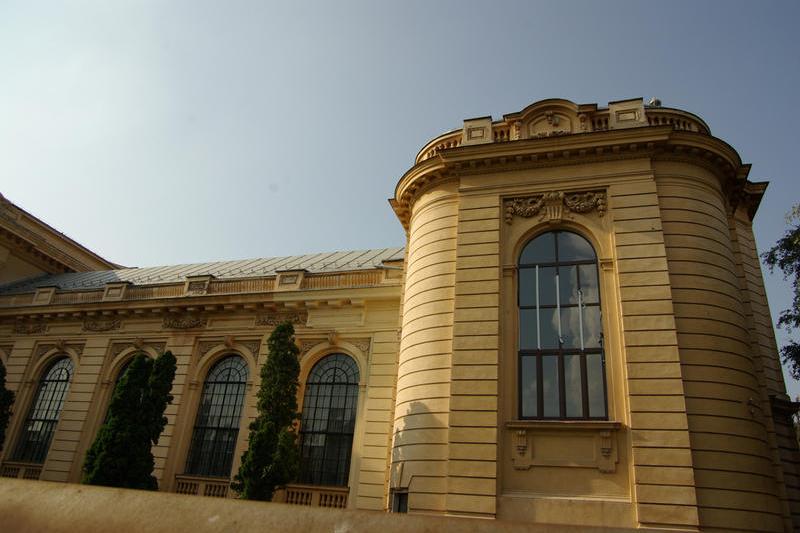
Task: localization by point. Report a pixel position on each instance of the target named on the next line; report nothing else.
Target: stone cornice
(30, 319)
(245, 289)
(655, 142)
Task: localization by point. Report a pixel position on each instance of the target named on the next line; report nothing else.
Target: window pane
(43, 415)
(568, 284)
(527, 329)
(589, 292)
(570, 328)
(529, 387)
(572, 385)
(573, 247)
(592, 327)
(597, 392)
(542, 249)
(527, 287)
(550, 386)
(547, 285)
(548, 328)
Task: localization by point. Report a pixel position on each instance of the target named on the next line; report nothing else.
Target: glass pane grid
(44, 413)
(328, 421)
(561, 363)
(216, 427)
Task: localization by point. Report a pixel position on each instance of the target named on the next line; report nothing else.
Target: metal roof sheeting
(250, 268)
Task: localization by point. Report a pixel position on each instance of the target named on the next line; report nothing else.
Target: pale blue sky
(159, 132)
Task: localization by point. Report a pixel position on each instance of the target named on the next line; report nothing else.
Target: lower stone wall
(45, 507)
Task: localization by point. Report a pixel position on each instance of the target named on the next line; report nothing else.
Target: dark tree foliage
(786, 256)
(121, 454)
(272, 458)
(6, 401)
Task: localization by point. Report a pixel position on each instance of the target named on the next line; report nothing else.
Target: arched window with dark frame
(561, 360)
(44, 412)
(216, 427)
(328, 422)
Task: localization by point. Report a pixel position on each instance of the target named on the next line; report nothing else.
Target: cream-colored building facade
(575, 333)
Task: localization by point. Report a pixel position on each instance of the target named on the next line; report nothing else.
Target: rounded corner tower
(585, 334)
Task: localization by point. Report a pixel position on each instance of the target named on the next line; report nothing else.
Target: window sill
(564, 443)
(597, 425)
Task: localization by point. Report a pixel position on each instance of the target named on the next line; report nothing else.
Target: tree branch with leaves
(785, 255)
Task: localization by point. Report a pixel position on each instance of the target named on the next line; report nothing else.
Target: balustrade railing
(313, 496)
(21, 470)
(203, 486)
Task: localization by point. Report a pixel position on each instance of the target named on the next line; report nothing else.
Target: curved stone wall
(419, 455)
(731, 455)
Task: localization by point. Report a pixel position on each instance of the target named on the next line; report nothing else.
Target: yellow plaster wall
(368, 332)
(731, 455)
(423, 406)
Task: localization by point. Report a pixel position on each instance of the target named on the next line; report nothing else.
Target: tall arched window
(561, 360)
(329, 419)
(44, 412)
(216, 427)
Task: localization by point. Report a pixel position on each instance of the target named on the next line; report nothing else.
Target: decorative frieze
(101, 324)
(273, 319)
(25, 328)
(550, 205)
(184, 322)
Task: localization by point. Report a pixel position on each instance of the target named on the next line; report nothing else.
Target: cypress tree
(6, 401)
(121, 454)
(272, 458)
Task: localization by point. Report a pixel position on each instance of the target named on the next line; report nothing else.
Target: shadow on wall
(414, 441)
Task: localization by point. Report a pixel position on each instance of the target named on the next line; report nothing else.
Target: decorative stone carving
(184, 322)
(594, 444)
(297, 318)
(21, 328)
(205, 346)
(254, 346)
(59, 345)
(521, 458)
(305, 345)
(101, 324)
(138, 344)
(586, 202)
(361, 344)
(555, 202)
(197, 286)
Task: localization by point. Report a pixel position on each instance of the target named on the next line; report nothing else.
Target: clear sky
(161, 132)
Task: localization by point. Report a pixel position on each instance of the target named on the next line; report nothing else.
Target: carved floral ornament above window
(550, 205)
